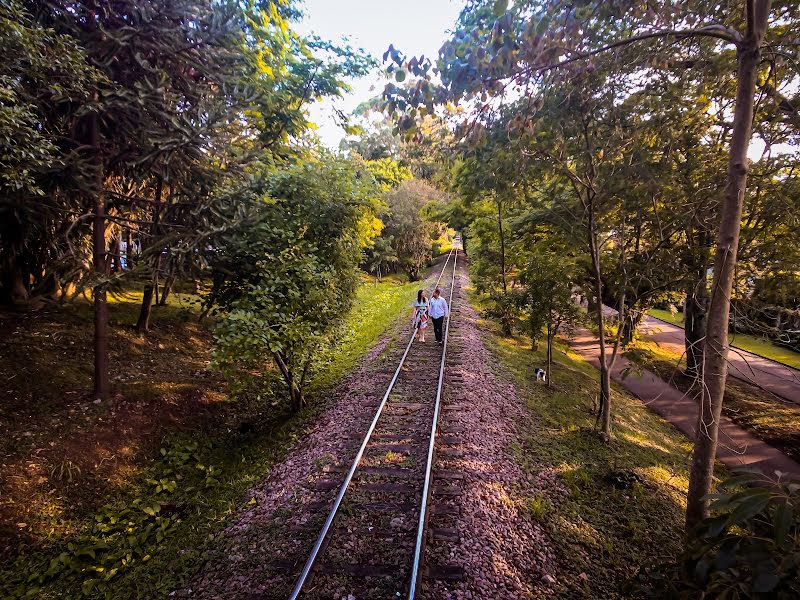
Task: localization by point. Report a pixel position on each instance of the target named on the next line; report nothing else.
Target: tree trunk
(605, 373)
(128, 249)
(296, 398)
(168, 283)
(502, 246)
(100, 271)
(694, 315)
(151, 289)
(15, 280)
(715, 368)
(116, 262)
(550, 335)
(629, 326)
(143, 323)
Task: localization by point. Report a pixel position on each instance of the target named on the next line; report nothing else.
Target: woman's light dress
(420, 318)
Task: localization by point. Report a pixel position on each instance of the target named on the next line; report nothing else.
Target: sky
(413, 26)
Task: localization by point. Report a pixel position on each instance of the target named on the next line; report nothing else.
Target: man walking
(437, 309)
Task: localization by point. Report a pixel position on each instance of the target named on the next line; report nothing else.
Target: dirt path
(503, 554)
(736, 448)
(774, 377)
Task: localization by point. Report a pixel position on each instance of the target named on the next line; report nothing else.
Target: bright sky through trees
(373, 25)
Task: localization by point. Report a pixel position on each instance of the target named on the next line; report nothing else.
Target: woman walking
(420, 318)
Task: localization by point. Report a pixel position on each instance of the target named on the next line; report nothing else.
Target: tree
(42, 72)
(381, 256)
(286, 277)
(409, 229)
(549, 280)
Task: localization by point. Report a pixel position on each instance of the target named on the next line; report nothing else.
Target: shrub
(506, 310)
(748, 548)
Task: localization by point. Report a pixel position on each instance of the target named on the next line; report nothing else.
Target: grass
(757, 345)
(765, 416)
(206, 464)
(375, 307)
(626, 498)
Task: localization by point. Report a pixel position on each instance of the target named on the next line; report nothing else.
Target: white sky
(413, 26)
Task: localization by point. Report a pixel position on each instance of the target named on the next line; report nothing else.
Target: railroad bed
(380, 539)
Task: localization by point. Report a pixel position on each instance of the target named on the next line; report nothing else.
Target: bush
(506, 309)
(748, 548)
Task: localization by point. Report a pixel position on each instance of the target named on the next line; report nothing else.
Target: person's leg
(437, 328)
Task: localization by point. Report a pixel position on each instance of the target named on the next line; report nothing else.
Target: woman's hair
(419, 296)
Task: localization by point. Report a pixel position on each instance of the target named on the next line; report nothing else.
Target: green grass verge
(756, 345)
(151, 536)
(626, 498)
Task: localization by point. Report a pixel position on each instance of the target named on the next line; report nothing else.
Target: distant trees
(410, 231)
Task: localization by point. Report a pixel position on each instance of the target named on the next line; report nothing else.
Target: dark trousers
(437, 328)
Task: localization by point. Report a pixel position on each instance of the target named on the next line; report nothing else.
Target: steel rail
(412, 590)
(343, 489)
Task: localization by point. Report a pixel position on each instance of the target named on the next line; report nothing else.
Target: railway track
(373, 542)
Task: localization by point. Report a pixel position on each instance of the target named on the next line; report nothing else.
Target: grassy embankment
(133, 523)
(626, 498)
(756, 345)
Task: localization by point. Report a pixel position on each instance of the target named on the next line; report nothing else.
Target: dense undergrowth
(143, 535)
(626, 498)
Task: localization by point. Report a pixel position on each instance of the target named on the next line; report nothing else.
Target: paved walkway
(774, 377)
(736, 448)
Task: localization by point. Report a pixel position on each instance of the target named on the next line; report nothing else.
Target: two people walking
(435, 310)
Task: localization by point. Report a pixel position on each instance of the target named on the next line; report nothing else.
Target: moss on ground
(626, 498)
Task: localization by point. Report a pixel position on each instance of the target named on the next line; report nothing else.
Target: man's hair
(437, 291)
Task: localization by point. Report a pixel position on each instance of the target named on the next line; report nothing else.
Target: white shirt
(438, 307)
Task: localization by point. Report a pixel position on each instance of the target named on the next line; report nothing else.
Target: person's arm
(446, 308)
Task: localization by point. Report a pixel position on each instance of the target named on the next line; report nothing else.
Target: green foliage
(34, 57)
(748, 548)
(506, 310)
(388, 173)
(124, 535)
(538, 506)
(549, 278)
(286, 277)
(381, 256)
